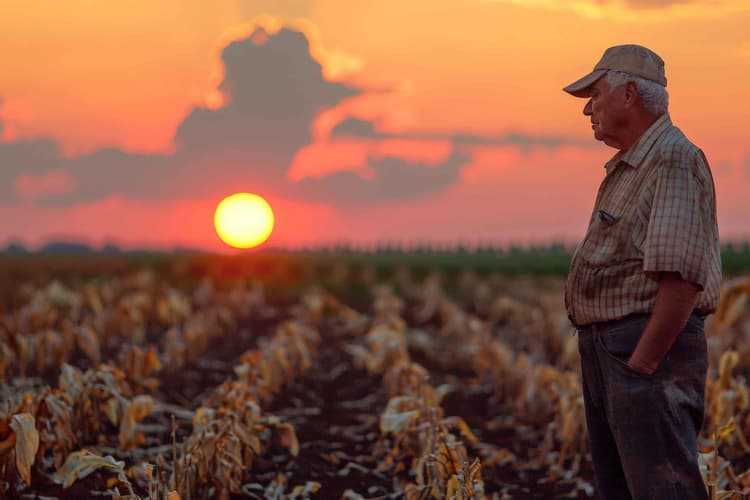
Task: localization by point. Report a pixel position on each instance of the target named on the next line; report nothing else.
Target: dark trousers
(643, 429)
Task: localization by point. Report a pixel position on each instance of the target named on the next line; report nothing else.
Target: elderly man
(640, 284)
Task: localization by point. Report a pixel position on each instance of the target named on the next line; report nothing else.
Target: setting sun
(243, 220)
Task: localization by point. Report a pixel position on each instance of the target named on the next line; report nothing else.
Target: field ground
(277, 376)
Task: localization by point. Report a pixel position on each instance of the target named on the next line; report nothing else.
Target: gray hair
(653, 95)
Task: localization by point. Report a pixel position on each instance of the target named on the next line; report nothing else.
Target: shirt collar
(635, 154)
(613, 162)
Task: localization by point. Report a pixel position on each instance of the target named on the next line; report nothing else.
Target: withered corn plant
(230, 430)
(415, 434)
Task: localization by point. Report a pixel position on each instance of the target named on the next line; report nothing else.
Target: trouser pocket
(618, 343)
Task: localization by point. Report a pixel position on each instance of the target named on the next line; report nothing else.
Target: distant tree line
(539, 258)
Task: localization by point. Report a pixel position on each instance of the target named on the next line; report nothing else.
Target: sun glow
(243, 220)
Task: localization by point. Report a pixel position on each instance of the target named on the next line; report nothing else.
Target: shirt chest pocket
(608, 241)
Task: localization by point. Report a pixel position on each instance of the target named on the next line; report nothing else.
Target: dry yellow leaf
(111, 409)
(459, 423)
(736, 307)
(288, 438)
(88, 342)
(304, 491)
(80, 464)
(93, 299)
(727, 363)
(726, 429)
(152, 362)
(396, 421)
(27, 443)
(136, 411)
(453, 463)
(452, 488)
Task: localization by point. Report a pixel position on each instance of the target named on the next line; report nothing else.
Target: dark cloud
(394, 180)
(31, 156)
(364, 129)
(525, 142)
(356, 127)
(275, 89)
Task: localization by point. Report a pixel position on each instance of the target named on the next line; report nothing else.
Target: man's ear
(631, 93)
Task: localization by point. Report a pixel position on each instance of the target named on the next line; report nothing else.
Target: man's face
(606, 109)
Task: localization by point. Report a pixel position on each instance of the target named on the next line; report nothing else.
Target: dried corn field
(349, 384)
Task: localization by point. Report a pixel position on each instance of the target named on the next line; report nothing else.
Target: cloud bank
(274, 90)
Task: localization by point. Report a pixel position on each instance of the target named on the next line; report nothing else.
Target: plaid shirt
(655, 211)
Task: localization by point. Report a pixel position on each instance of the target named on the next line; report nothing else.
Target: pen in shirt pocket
(606, 216)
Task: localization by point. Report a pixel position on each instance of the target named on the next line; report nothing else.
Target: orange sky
(128, 79)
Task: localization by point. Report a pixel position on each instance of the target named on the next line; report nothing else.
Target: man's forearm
(675, 300)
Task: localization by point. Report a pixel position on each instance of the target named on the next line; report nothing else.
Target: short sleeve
(677, 238)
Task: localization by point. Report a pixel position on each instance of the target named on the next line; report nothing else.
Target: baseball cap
(634, 59)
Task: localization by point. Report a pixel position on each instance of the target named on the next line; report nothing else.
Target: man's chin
(601, 138)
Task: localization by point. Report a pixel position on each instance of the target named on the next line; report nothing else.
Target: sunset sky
(362, 121)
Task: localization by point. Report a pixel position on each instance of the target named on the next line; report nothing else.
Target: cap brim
(578, 88)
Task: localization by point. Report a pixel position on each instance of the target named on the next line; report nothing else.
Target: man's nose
(587, 108)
